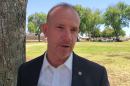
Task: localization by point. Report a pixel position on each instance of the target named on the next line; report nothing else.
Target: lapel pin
(80, 73)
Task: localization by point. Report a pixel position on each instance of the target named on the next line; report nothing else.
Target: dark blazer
(91, 74)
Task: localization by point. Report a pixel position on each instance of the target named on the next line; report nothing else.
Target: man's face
(62, 31)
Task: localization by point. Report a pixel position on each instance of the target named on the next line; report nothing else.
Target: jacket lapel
(77, 71)
(35, 72)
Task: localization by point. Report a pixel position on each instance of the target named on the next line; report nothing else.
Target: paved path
(35, 44)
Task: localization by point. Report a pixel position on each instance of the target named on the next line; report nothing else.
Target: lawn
(114, 56)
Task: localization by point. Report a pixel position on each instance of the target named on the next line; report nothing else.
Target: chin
(64, 55)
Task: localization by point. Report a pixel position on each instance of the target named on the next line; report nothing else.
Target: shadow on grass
(113, 55)
(127, 58)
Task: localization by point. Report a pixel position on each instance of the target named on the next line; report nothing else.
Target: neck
(56, 61)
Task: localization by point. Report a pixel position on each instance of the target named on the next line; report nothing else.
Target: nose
(67, 36)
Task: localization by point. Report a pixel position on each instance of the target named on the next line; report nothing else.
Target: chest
(55, 77)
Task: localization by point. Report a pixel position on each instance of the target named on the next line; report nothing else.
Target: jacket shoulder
(32, 62)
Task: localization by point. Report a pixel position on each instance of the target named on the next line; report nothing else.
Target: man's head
(63, 5)
(61, 30)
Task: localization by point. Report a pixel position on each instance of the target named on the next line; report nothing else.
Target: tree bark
(12, 39)
(117, 38)
(89, 35)
(39, 37)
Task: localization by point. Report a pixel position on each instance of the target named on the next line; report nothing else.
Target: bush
(99, 40)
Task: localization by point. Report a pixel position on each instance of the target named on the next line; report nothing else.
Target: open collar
(68, 62)
(77, 71)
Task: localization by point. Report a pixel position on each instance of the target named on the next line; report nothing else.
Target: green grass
(114, 56)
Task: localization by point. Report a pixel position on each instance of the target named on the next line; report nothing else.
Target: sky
(45, 5)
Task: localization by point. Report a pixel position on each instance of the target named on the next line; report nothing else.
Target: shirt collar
(68, 62)
(45, 62)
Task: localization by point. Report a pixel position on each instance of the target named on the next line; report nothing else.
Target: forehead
(63, 11)
(60, 8)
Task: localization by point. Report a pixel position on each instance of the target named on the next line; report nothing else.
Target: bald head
(57, 8)
(61, 30)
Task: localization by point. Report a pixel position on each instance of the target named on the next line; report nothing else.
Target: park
(114, 56)
(104, 36)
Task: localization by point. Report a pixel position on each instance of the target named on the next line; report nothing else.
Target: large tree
(12, 39)
(117, 16)
(122, 33)
(108, 32)
(96, 22)
(89, 20)
(81, 12)
(35, 22)
(96, 33)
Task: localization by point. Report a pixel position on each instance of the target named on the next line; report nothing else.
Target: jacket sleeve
(19, 77)
(104, 79)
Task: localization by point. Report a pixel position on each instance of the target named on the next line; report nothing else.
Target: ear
(44, 29)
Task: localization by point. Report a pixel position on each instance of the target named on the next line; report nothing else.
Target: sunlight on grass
(114, 56)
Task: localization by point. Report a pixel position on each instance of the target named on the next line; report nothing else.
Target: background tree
(81, 12)
(122, 33)
(89, 20)
(12, 39)
(96, 22)
(96, 33)
(35, 22)
(108, 32)
(117, 17)
(86, 22)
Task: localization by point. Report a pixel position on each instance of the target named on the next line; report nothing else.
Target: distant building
(125, 38)
(33, 37)
(81, 38)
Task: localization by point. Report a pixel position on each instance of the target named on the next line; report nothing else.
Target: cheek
(74, 40)
(75, 37)
(53, 37)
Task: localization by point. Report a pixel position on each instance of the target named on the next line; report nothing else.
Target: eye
(60, 27)
(73, 30)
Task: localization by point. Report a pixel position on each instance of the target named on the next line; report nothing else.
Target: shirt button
(56, 77)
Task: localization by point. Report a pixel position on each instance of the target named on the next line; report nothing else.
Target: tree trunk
(39, 37)
(93, 36)
(12, 39)
(89, 35)
(117, 38)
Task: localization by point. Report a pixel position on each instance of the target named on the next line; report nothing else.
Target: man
(60, 66)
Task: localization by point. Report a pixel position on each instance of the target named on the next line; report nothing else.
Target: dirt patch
(34, 44)
(127, 58)
(103, 62)
(118, 76)
(113, 55)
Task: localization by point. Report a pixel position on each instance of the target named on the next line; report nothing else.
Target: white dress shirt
(60, 76)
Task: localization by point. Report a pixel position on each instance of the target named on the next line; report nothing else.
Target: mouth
(65, 46)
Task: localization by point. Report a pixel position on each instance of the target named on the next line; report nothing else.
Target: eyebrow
(61, 24)
(64, 25)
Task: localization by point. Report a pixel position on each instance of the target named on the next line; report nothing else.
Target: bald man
(59, 65)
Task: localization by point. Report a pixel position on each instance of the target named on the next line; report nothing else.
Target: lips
(65, 46)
